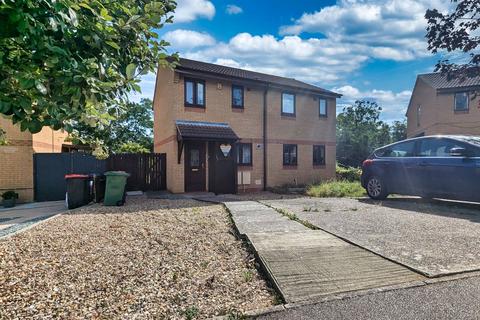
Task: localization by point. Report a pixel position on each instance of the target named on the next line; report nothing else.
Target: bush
(348, 173)
(336, 189)
(10, 195)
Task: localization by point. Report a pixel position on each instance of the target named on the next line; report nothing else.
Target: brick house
(442, 106)
(16, 158)
(229, 130)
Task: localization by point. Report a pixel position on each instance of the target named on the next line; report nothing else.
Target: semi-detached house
(228, 130)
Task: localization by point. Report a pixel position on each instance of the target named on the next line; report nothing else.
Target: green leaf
(86, 6)
(112, 44)
(41, 87)
(130, 72)
(35, 126)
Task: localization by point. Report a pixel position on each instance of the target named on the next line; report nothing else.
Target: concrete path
(436, 238)
(252, 217)
(450, 300)
(25, 215)
(307, 264)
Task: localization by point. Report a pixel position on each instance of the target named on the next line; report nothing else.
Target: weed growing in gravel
(293, 216)
(327, 210)
(310, 209)
(191, 312)
(248, 275)
(235, 315)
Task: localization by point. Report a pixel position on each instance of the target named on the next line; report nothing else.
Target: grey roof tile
(187, 64)
(441, 81)
(204, 130)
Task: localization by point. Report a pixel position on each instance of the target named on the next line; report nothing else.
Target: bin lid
(76, 176)
(117, 173)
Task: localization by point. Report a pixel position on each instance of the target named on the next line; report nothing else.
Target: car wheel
(376, 188)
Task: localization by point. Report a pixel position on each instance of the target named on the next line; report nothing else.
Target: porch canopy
(203, 131)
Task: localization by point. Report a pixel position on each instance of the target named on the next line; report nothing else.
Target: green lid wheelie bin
(115, 188)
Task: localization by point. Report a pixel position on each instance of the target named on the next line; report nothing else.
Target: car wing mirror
(458, 152)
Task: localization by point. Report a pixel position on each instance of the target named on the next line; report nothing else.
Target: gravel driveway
(162, 259)
(435, 238)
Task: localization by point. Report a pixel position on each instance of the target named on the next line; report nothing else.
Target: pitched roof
(441, 81)
(200, 130)
(187, 64)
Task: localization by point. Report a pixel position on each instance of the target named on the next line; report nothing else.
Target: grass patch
(336, 189)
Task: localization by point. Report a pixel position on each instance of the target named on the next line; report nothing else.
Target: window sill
(238, 109)
(323, 116)
(289, 167)
(245, 166)
(287, 116)
(461, 111)
(195, 109)
(200, 106)
(318, 166)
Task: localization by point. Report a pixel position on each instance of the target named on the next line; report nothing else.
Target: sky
(370, 49)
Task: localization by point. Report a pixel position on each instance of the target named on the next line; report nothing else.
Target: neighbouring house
(228, 130)
(443, 106)
(16, 158)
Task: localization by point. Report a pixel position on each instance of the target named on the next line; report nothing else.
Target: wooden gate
(148, 171)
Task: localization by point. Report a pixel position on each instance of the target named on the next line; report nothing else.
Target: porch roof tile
(199, 130)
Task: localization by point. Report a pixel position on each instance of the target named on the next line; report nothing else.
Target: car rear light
(367, 162)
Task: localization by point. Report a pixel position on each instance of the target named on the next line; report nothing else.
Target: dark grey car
(433, 167)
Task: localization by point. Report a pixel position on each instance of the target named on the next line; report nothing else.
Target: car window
(437, 147)
(399, 150)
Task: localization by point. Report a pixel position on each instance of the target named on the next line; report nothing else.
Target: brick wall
(438, 115)
(16, 159)
(306, 130)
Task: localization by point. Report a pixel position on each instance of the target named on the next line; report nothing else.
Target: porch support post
(180, 149)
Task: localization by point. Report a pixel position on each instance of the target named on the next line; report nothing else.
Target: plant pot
(9, 203)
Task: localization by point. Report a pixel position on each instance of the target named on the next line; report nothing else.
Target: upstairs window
(244, 154)
(288, 104)
(461, 101)
(237, 96)
(289, 154)
(194, 93)
(322, 107)
(318, 155)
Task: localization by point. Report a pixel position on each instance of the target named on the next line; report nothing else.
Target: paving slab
(310, 264)
(25, 215)
(435, 238)
(253, 217)
(306, 264)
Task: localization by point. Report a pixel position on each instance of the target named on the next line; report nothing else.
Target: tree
(398, 131)
(132, 130)
(69, 61)
(456, 31)
(132, 147)
(359, 132)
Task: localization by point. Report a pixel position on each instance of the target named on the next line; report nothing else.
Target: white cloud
(233, 9)
(394, 104)
(391, 29)
(313, 60)
(189, 10)
(188, 39)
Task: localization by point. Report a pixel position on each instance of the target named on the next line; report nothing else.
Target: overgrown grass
(336, 189)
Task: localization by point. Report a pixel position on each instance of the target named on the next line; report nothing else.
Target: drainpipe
(265, 138)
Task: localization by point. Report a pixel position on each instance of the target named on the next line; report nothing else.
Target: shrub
(348, 173)
(10, 195)
(336, 189)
